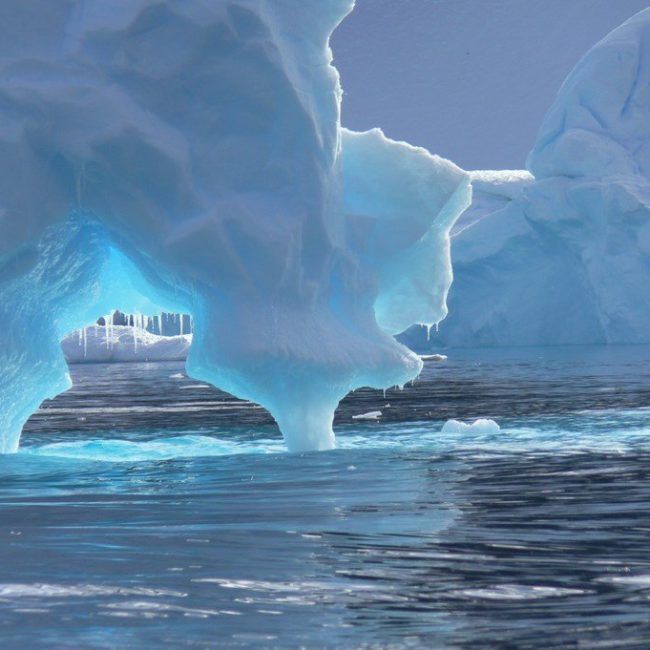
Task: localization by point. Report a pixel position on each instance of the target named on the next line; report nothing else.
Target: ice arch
(188, 156)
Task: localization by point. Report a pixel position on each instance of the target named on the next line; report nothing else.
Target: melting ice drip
(188, 157)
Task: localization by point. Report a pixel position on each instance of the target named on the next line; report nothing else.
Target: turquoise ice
(188, 157)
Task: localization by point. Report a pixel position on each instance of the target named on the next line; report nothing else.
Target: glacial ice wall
(187, 156)
(562, 255)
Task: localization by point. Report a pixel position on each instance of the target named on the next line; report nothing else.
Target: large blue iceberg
(188, 157)
(560, 253)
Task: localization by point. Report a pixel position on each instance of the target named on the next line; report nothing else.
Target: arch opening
(183, 202)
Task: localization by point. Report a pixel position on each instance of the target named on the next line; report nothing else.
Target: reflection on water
(146, 510)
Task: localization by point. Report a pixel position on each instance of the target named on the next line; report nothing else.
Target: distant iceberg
(560, 253)
(123, 343)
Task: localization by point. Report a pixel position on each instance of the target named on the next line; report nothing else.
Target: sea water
(146, 509)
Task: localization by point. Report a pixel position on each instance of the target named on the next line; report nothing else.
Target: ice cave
(189, 157)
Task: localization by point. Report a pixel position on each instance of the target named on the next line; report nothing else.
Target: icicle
(110, 328)
(106, 330)
(85, 339)
(428, 326)
(182, 323)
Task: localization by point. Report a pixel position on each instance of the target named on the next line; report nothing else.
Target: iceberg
(188, 158)
(560, 253)
(122, 343)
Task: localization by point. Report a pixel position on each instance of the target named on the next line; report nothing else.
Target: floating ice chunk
(480, 426)
(197, 387)
(370, 415)
(433, 357)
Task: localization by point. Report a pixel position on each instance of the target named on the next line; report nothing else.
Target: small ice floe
(433, 357)
(178, 375)
(370, 415)
(481, 425)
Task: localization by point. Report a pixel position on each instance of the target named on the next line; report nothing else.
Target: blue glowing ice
(188, 156)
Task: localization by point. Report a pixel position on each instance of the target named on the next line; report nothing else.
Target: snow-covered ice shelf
(98, 343)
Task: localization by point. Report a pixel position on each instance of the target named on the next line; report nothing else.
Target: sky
(469, 80)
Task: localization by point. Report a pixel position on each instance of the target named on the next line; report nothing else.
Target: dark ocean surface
(148, 510)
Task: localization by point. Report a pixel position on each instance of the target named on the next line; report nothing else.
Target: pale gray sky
(469, 79)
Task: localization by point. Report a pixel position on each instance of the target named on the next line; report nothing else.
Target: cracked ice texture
(564, 257)
(187, 156)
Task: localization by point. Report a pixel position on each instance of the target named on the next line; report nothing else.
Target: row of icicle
(136, 322)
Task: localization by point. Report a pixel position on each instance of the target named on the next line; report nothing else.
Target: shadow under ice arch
(188, 156)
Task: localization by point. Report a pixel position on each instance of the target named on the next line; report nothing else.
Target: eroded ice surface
(188, 157)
